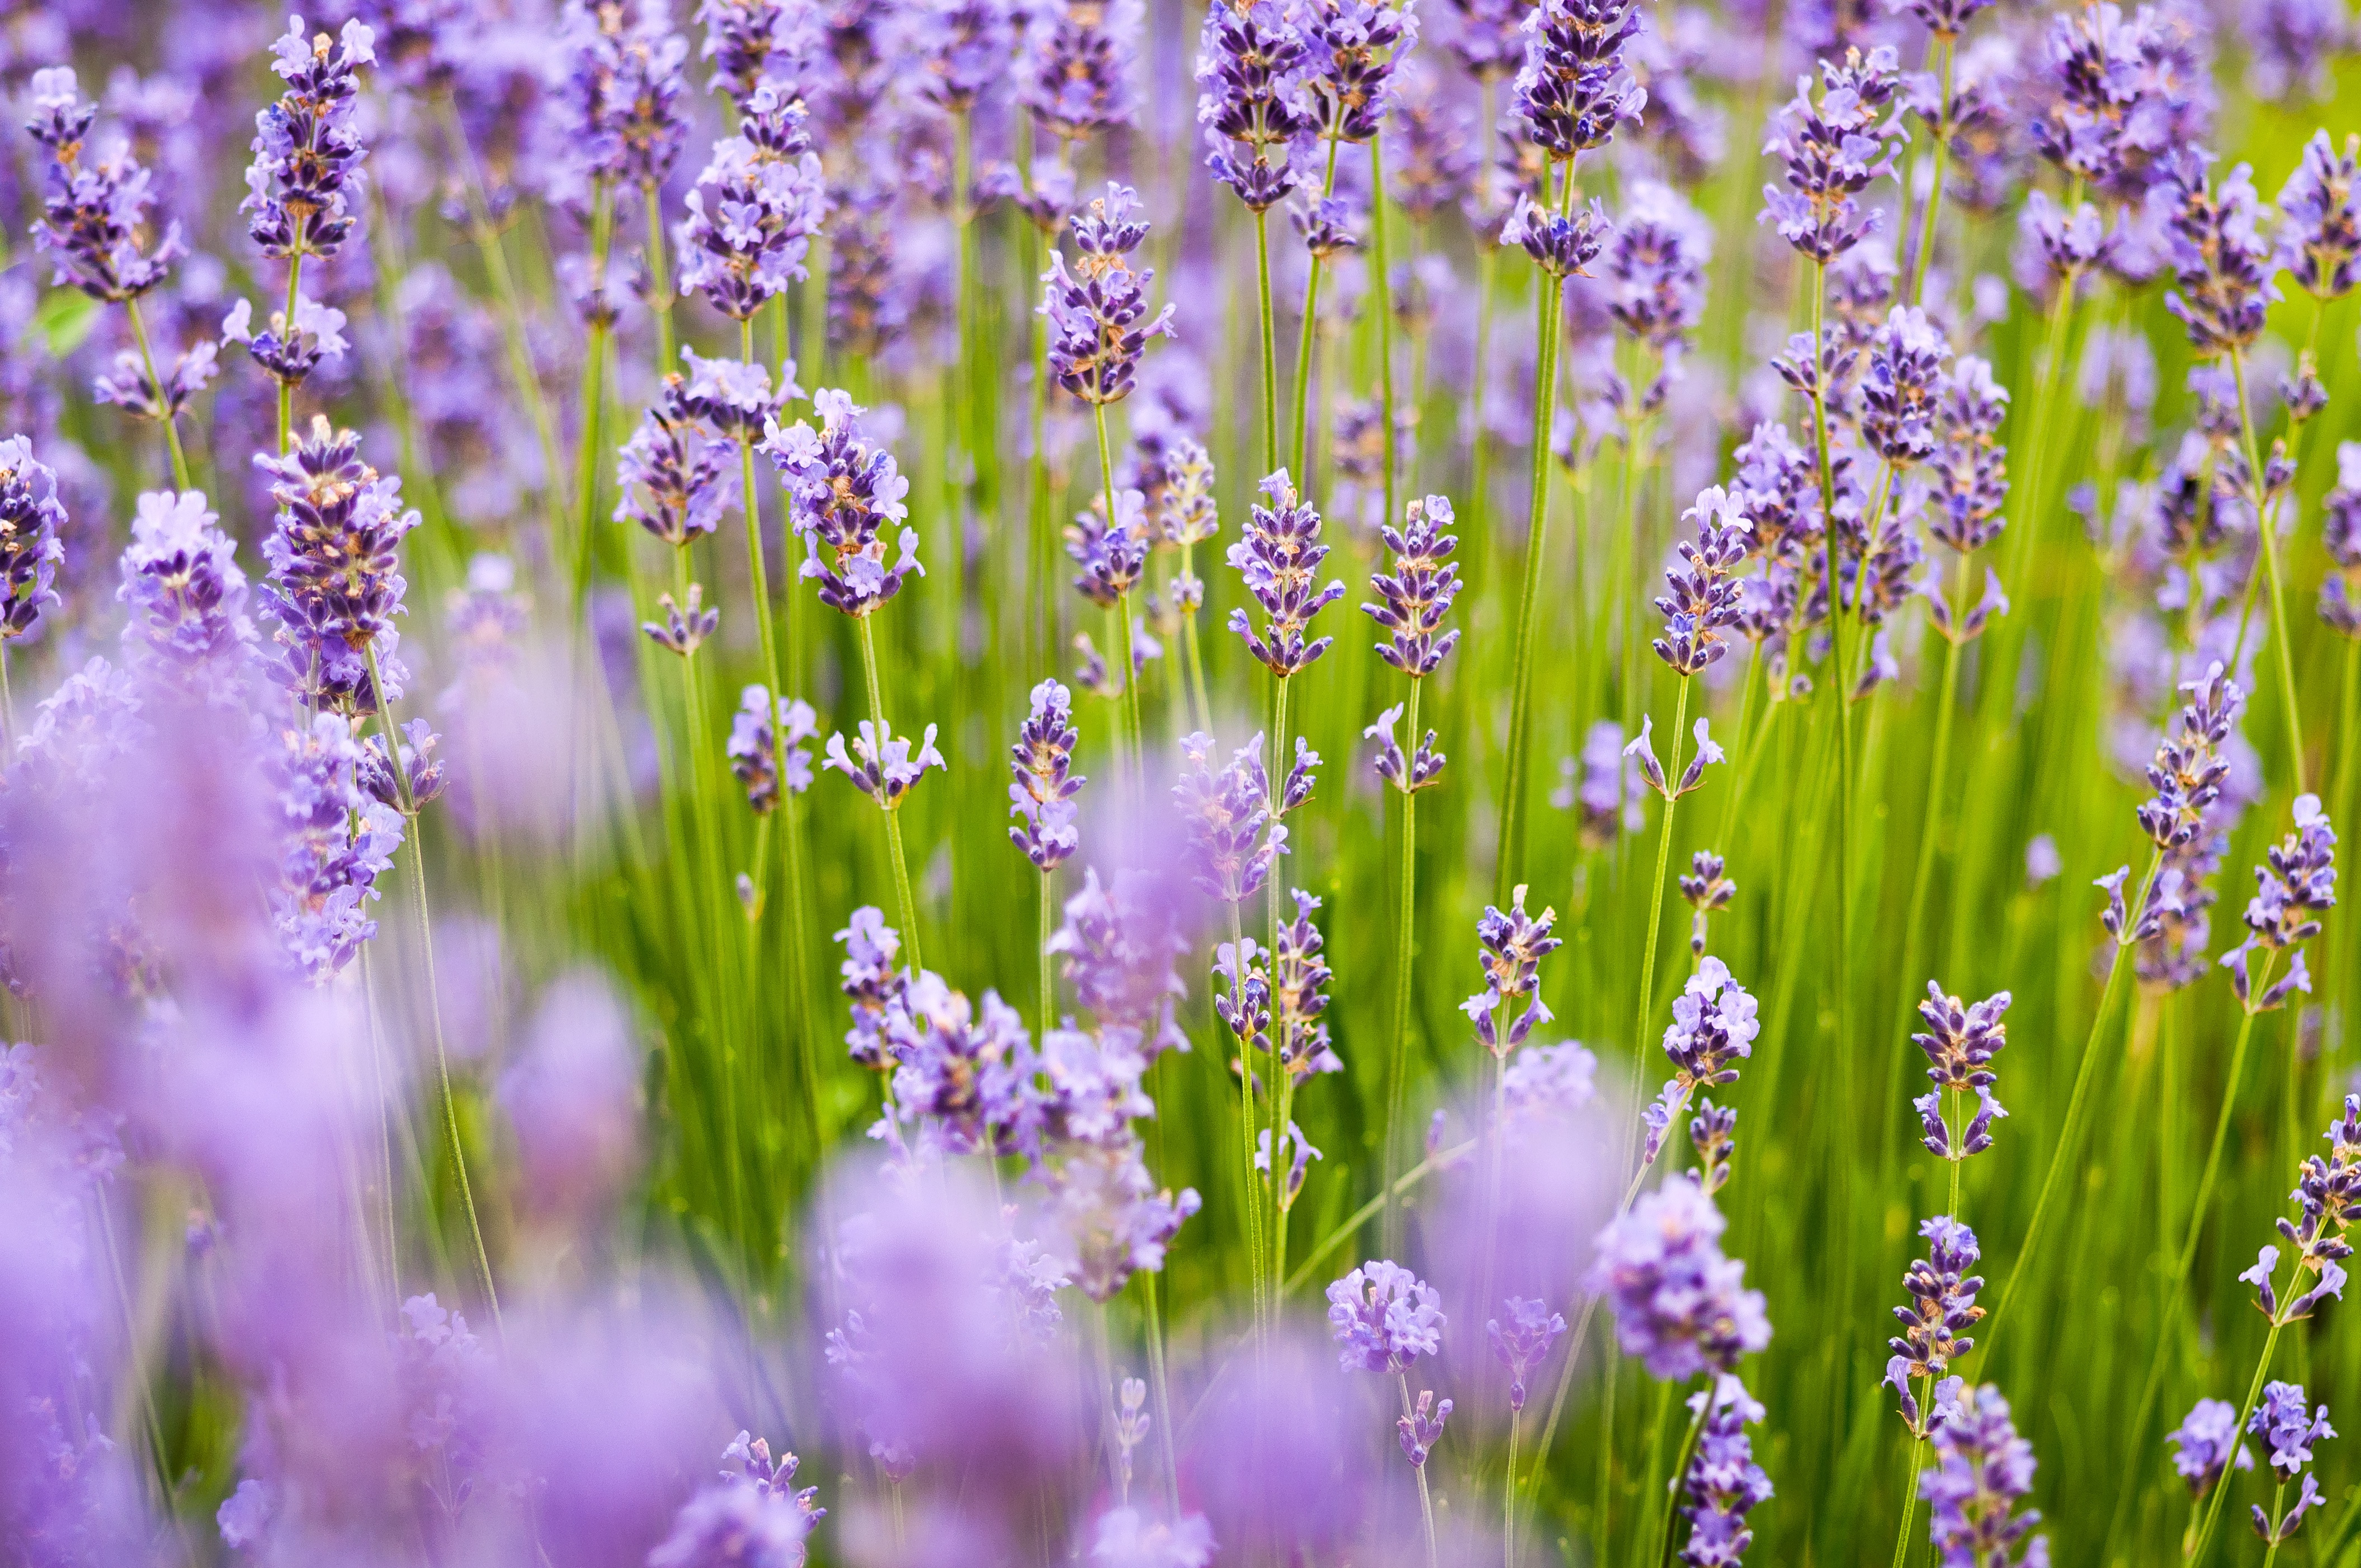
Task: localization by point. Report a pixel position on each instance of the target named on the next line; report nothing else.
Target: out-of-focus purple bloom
(1656, 270)
(1947, 17)
(2320, 219)
(1679, 1305)
(1829, 152)
(1045, 786)
(1607, 793)
(1705, 593)
(1970, 472)
(1563, 244)
(182, 587)
(2122, 92)
(2294, 888)
(1418, 593)
(2207, 1443)
(572, 1097)
(734, 395)
(1225, 815)
(1096, 312)
(1724, 1484)
(1124, 1538)
(1278, 554)
(30, 550)
(1524, 1347)
(1571, 87)
(2283, 1420)
(338, 841)
(1077, 81)
(843, 491)
(886, 768)
(1112, 552)
(336, 581)
(2220, 257)
(752, 42)
(962, 48)
(755, 210)
(619, 112)
(1351, 49)
(869, 981)
(726, 1525)
(676, 480)
(1901, 393)
(1295, 1156)
(1513, 946)
(2340, 531)
(2291, 45)
(765, 732)
(1251, 60)
(1421, 1428)
(2071, 242)
(968, 1071)
(1428, 160)
(1383, 1318)
(1982, 1469)
(1119, 941)
(94, 218)
(302, 185)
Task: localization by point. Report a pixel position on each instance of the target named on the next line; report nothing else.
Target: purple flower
(2220, 257)
(336, 581)
(1713, 1029)
(1383, 1318)
(2340, 531)
(1125, 1539)
(1713, 1134)
(685, 627)
(619, 116)
(287, 355)
(842, 491)
(94, 216)
(869, 981)
(962, 48)
(1724, 1484)
(1524, 1347)
(2208, 1444)
(970, 1074)
(2292, 44)
(675, 481)
(1829, 152)
(1299, 987)
(1959, 1043)
(2320, 219)
(1428, 160)
(1351, 49)
(1982, 1469)
(1513, 947)
(1706, 890)
(2294, 887)
(1410, 773)
(1901, 393)
(1045, 786)
(726, 1525)
(1112, 1220)
(1947, 17)
(1418, 593)
(1279, 555)
(1095, 331)
(1608, 793)
(1571, 87)
(2284, 1422)
(2188, 768)
(734, 396)
(886, 769)
(1643, 747)
(1561, 243)
(1942, 1305)
(763, 731)
(307, 150)
(1656, 266)
(1232, 840)
(1250, 61)
(1421, 1429)
(572, 1096)
(1111, 552)
(1120, 942)
(752, 42)
(1705, 592)
(2122, 92)
(337, 842)
(1679, 1304)
(755, 210)
(1295, 1152)
(30, 550)
(1078, 79)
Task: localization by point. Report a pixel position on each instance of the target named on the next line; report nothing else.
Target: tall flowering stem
(1412, 602)
(600, 319)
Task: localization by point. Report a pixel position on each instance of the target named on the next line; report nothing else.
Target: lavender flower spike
(2284, 1422)
(1231, 839)
(1713, 1029)
(1408, 772)
(1679, 1305)
(1573, 88)
(94, 215)
(307, 151)
(843, 491)
(2219, 256)
(2319, 218)
(1279, 556)
(1043, 793)
(1942, 1305)
(886, 769)
(1096, 337)
(1723, 1483)
(754, 209)
(30, 551)
(335, 580)
(1706, 592)
(1830, 152)
(1982, 1468)
(1513, 947)
(1354, 46)
(1249, 61)
(2294, 888)
(1524, 1347)
(765, 733)
(1417, 595)
(1960, 1042)
(1383, 1318)
(2208, 1444)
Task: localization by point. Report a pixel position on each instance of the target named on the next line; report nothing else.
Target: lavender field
(955, 783)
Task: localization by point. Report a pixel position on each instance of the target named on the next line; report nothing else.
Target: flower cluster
(1279, 555)
(674, 478)
(754, 209)
(1407, 771)
(1119, 942)
(307, 150)
(1078, 81)
(338, 841)
(2122, 91)
(2207, 1443)
(2340, 529)
(1383, 1318)
(2319, 218)
(30, 550)
(1706, 592)
(1942, 1305)
(1723, 1482)
(1099, 324)
(2290, 1426)
(1351, 49)
(1830, 152)
(1417, 595)
(1042, 796)
(184, 588)
(1655, 271)
(2294, 887)
(843, 491)
(1251, 60)
(94, 220)
(1982, 1470)
(1902, 392)
(1705, 890)
(1524, 1347)
(1225, 815)
(1514, 945)
(1572, 87)
(766, 746)
(2328, 1191)
(1959, 1043)
(335, 582)
(2220, 257)
(1679, 1305)
(619, 112)
(1111, 551)
(1421, 1429)
(885, 768)
(1713, 1029)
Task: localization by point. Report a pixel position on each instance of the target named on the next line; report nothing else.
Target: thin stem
(1383, 279)
(1131, 726)
(1269, 343)
(1510, 852)
(1842, 953)
(1252, 1209)
(1949, 45)
(1045, 926)
(1680, 1469)
(893, 818)
(2044, 397)
(1425, 1498)
(171, 428)
(1405, 946)
(286, 388)
(2222, 1487)
(1663, 855)
(1203, 706)
(594, 392)
(2271, 572)
(1299, 432)
(1509, 1491)
(660, 298)
(1160, 1391)
(1043, 534)
(1910, 1500)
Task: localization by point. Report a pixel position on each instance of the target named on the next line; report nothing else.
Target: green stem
(909, 904)
(1680, 1469)
(1269, 344)
(1509, 1491)
(1664, 856)
(1842, 946)
(1299, 432)
(287, 389)
(2271, 572)
(1950, 44)
(2222, 1487)
(1910, 1500)
(1249, 1204)
(660, 296)
(1045, 926)
(171, 428)
(1425, 1498)
(1158, 1391)
(1385, 311)
(1202, 703)
(1131, 724)
(1510, 852)
(594, 394)
(1405, 949)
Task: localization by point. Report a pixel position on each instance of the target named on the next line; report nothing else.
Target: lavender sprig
(1278, 554)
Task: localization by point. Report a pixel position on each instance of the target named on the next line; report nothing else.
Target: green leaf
(65, 318)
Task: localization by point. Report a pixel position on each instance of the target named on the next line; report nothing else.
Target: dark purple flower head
(734, 395)
(1111, 552)
(1777, 489)
(1330, 225)
(2320, 219)
(755, 210)
(1562, 243)
(1571, 87)
(2208, 1444)
(961, 48)
(1713, 1134)
(2220, 257)
(1416, 596)
(1352, 48)
(419, 777)
(726, 1523)
(303, 184)
(1099, 323)
(1704, 597)
(1830, 152)
(869, 981)
(1383, 1318)
(1948, 18)
(1421, 1429)
(286, 355)
(620, 116)
(2289, 1426)
(843, 491)
(1298, 988)
(1960, 1040)
(1679, 1305)
(2189, 766)
(684, 626)
(676, 480)
(30, 550)
(1278, 554)
(1043, 793)
(967, 1073)
(885, 767)
(1969, 465)
(2122, 91)
(1706, 890)
(1902, 392)
(1428, 159)
(1524, 1347)
(1225, 815)
(1942, 1307)
(1982, 1470)
(1723, 1483)
(336, 580)
(1078, 78)
(2294, 889)
(1250, 99)
(94, 218)
(1713, 1029)
(753, 42)
(764, 733)
(1656, 267)
(1513, 946)
(1408, 773)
